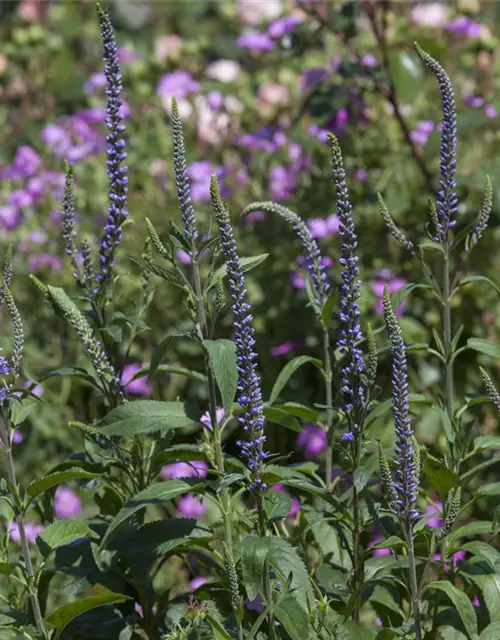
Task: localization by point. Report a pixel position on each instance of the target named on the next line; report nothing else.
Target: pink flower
(183, 256)
(32, 531)
(324, 227)
(139, 386)
(394, 284)
(379, 552)
(433, 14)
(220, 416)
(369, 61)
(223, 70)
(255, 42)
(254, 13)
(361, 174)
(457, 557)
(283, 349)
(197, 582)
(490, 111)
(44, 261)
(274, 93)
(282, 26)
(167, 47)
(179, 84)
(66, 503)
(95, 82)
(298, 280)
(191, 469)
(10, 216)
(190, 506)
(312, 440)
(437, 521)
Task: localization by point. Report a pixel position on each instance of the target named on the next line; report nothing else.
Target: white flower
(434, 15)
(223, 70)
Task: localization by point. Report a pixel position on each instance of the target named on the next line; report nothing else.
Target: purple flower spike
(353, 365)
(447, 201)
(116, 154)
(249, 391)
(407, 473)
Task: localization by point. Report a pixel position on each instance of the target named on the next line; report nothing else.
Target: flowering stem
(413, 581)
(149, 621)
(11, 474)
(329, 411)
(447, 333)
(356, 538)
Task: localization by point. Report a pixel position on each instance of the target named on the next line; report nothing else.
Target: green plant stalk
(356, 539)
(413, 580)
(149, 621)
(11, 474)
(329, 411)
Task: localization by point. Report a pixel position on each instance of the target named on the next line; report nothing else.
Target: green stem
(11, 474)
(447, 334)
(147, 612)
(413, 581)
(356, 539)
(329, 411)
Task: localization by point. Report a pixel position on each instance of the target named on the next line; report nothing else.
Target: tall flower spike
(68, 218)
(249, 391)
(447, 201)
(181, 179)
(7, 272)
(73, 316)
(316, 270)
(407, 474)
(117, 194)
(398, 233)
(491, 389)
(353, 392)
(17, 323)
(484, 215)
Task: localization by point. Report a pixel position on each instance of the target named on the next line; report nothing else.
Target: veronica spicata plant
(194, 527)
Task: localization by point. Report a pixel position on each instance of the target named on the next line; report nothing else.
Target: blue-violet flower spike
(447, 200)
(249, 391)
(351, 387)
(181, 179)
(407, 473)
(116, 153)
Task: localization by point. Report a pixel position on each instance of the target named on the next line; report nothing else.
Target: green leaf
(222, 354)
(37, 487)
(489, 586)
(492, 632)
(287, 372)
(327, 538)
(299, 411)
(492, 489)
(68, 612)
(441, 478)
(468, 530)
(326, 313)
(62, 532)
(278, 416)
(406, 72)
(257, 553)
(21, 410)
(161, 349)
(218, 631)
(484, 346)
(484, 551)
(486, 442)
(169, 275)
(276, 505)
(145, 416)
(155, 494)
(293, 618)
(247, 263)
(461, 603)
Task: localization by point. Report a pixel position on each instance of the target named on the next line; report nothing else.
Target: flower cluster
(407, 471)
(116, 152)
(249, 391)
(447, 201)
(350, 330)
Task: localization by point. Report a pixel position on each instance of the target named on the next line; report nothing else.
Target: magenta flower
(32, 531)
(190, 506)
(200, 174)
(369, 61)
(457, 557)
(283, 349)
(464, 26)
(379, 552)
(298, 280)
(192, 469)
(437, 521)
(44, 261)
(255, 42)
(179, 84)
(423, 130)
(139, 386)
(324, 227)
(56, 138)
(490, 111)
(280, 27)
(95, 82)
(312, 441)
(394, 284)
(282, 182)
(25, 164)
(10, 217)
(66, 503)
(20, 199)
(197, 582)
(220, 416)
(361, 175)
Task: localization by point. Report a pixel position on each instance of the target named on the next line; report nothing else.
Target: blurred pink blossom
(191, 469)
(312, 441)
(220, 416)
(32, 531)
(223, 70)
(66, 503)
(393, 284)
(377, 538)
(139, 386)
(190, 506)
(283, 349)
(324, 227)
(197, 582)
(437, 521)
(253, 13)
(167, 47)
(433, 14)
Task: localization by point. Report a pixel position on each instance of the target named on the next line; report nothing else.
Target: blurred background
(260, 83)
